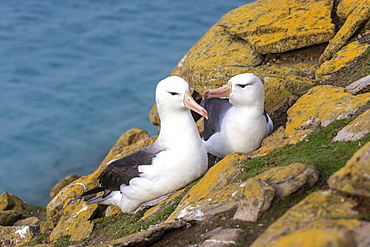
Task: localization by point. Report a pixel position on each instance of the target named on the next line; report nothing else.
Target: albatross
(175, 159)
(237, 120)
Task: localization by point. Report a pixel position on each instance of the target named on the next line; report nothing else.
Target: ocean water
(75, 75)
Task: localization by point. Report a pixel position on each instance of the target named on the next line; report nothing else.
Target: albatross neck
(178, 126)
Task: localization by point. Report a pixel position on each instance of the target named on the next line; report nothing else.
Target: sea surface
(75, 75)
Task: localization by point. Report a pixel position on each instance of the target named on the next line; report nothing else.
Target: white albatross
(174, 160)
(237, 123)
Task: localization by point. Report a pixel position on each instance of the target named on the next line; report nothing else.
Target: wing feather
(216, 108)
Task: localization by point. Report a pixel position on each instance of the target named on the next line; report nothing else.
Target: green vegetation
(121, 225)
(317, 150)
(366, 64)
(31, 208)
(62, 242)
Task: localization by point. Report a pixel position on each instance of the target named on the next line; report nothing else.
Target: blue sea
(75, 75)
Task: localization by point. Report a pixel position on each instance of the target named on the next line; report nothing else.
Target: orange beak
(223, 91)
(190, 103)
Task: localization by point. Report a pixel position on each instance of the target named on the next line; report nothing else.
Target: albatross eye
(173, 93)
(242, 85)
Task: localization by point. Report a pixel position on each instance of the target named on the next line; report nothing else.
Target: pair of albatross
(179, 155)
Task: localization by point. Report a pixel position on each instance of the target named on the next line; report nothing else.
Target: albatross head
(244, 89)
(172, 93)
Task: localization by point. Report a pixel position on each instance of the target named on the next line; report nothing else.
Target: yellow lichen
(345, 56)
(278, 26)
(354, 177)
(354, 21)
(320, 106)
(313, 212)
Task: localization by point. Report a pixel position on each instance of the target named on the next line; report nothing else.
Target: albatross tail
(114, 198)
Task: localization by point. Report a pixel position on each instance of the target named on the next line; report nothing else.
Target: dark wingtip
(93, 191)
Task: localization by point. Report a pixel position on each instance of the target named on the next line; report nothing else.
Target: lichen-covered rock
(279, 139)
(30, 221)
(356, 130)
(255, 199)
(133, 136)
(360, 86)
(11, 202)
(153, 116)
(54, 209)
(279, 26)
(75, 221)
(62, 183)
(8, 217)
(223, 237)
(354, 177)
(342, 58)
(356, 18)
(251, 198)
(112, 210)
(16, 235)
(287, 180)
(219, 176)
(322, 210)
(215, 58)
(345, 7)
(318, 238)
(322, 105)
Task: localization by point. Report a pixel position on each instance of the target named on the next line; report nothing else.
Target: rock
(217, 177)
(61, 184)
(17, 235)
(277, 26)
(319, 212)
(356, 130)
(54, 209)
(255, 199)
(8, 217)
(354, 177)
(322, 105)
(360, 86)
(145, 237)
(345, 7)
(11, 202)
(215, 58)
(275, 91)
(318, 238)
(251, 198)
(287, 180)
(30, 221)
(75, 221)
(112, 210)
(356, 18)
(153, 116)
(223, 237)
(133, 136)
(279, 139)
(342, 58)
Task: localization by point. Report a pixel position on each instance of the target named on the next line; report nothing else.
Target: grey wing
(269, 124)
(216, 108)
(123, 170)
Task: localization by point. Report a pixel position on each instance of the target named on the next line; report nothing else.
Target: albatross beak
(190, 103)
(223, 91)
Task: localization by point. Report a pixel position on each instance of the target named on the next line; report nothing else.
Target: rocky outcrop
(354, 177)
(313, 57)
